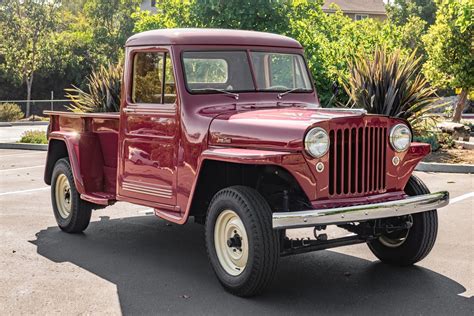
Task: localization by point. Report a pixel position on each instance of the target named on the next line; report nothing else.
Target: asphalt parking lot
(128, 262)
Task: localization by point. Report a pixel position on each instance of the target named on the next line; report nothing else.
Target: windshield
(211, 71)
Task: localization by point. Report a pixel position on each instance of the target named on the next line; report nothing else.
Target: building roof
(210, 37)
(357, 6)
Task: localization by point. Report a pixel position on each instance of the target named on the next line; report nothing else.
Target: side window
(152, 78)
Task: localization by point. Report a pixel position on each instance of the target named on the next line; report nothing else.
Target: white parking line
(23, 191)
(23, 168)
(461, 197)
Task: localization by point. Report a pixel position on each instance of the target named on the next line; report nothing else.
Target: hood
(280, 128)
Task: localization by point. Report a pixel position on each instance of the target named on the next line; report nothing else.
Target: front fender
(294, 163)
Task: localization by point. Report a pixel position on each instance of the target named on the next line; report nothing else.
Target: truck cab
(225, 127)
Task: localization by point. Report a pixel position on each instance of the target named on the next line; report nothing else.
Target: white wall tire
(239, 217)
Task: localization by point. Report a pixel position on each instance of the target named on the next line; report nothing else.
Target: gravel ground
(130, 263)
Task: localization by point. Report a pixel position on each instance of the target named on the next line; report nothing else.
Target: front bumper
(359, 213)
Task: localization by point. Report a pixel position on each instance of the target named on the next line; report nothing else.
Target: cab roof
(210, 37)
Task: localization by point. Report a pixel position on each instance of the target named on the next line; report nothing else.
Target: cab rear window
(153, 79)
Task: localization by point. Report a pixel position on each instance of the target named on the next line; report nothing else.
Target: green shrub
(10, 112)
(34, 137)
(446, 140)
(103, 93)
(388, 84)
(429, 138)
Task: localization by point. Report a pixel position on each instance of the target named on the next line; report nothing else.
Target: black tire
(263, 241)
(80, 214)
(421, 236)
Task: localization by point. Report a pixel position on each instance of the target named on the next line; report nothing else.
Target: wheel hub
(231, 243)
(235, 242)
(395, 237)
(63, 196)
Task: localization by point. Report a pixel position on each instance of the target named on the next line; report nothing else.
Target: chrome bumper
(359, 213)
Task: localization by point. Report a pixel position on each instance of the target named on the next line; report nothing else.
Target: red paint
(153, 156)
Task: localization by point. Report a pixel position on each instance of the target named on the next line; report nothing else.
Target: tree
(449, 47)
(112, 23)
(256, 15)
(401, 10)
(27, 26)
(169, 14)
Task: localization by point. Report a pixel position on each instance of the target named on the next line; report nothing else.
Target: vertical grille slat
(377, 162)
(357, 160)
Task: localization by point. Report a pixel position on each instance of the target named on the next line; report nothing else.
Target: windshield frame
(248, 52)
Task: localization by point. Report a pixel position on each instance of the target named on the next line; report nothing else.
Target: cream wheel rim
(63, 196)
(231, 242)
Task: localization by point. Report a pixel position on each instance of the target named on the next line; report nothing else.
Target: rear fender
(63, 145)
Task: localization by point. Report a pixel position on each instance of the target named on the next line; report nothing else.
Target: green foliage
(34, 137)
(81, 35)
(257, 15)
(388, 84)
(10, 112)
(449, 45)
(402, 10)
(111, 24)
(102, 93)
(26, 26)
(446, 140)
(170, 14)
(429, 138)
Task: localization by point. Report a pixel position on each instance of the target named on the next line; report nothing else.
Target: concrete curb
(444, 167)
(10, 124)
(27, 123)
(465, 145)
(42, 147)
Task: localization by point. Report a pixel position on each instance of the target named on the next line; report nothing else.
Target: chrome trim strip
(147, 193)
(147, 188)
(147, 184)
(151, 109)
(358, 213)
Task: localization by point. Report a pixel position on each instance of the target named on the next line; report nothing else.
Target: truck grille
(357, 163)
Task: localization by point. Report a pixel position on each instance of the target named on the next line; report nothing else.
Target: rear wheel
(72, 213)
(406, 247)
(242, 246)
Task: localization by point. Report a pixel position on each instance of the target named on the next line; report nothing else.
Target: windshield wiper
(282, 94)
(235, 95)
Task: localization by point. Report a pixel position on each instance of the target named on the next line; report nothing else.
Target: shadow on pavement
(159, 268)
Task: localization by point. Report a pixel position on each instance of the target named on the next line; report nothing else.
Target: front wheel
(241, 244)
(409, 246)
(72, 213)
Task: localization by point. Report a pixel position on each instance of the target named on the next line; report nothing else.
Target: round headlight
(400, 137)
(316, 142)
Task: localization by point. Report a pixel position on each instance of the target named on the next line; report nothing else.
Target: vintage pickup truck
(225, 126)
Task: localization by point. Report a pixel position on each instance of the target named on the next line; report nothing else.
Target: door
(149, 129)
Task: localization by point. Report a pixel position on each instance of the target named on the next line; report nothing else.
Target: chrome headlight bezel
(396, 132)
(313, 136)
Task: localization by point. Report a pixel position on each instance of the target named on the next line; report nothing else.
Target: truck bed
(92, 143)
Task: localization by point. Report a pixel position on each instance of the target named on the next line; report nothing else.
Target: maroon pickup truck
(225, 126)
